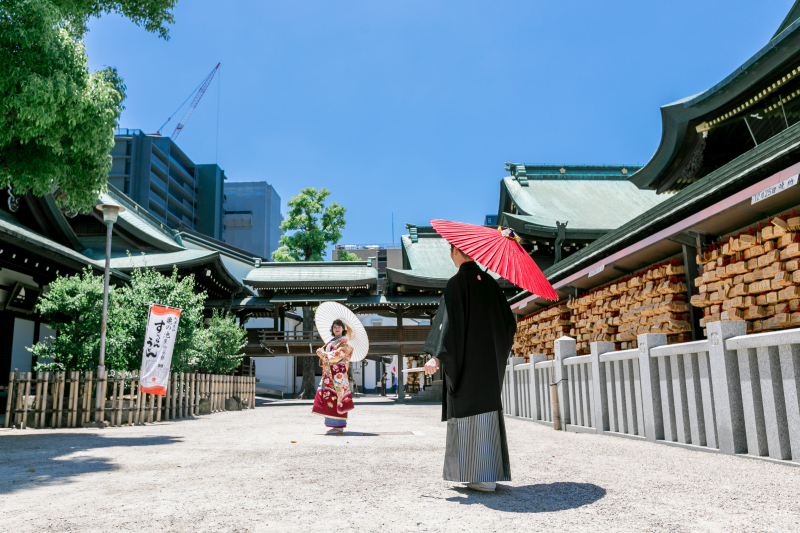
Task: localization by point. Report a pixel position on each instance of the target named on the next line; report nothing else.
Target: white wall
(275, 373)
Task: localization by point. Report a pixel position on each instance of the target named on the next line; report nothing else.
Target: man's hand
(431, 366)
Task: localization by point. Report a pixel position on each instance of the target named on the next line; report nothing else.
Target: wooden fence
(69, 399)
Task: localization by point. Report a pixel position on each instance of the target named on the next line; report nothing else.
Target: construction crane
(200, 92)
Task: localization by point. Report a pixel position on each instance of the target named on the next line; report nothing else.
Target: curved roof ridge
(792, 16)
(779, 37)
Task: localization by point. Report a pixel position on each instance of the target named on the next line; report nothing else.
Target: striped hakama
(476, 449)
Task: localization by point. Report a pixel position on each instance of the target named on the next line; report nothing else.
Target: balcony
(382, 339)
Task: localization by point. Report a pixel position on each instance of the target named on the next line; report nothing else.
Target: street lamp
(110, 215)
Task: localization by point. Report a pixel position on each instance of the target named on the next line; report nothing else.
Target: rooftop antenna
(392, 228)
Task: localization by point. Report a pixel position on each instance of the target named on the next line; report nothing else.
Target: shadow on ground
(294, 403)
(545, 498)
(56, 457)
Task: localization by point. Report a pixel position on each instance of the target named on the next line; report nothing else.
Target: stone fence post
(651, 388)
(565, 347)
(725, 379)
(600, 395)
(512, 384)
(537, 407)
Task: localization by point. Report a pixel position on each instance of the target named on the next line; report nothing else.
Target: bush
(223, 339)
(73, 308)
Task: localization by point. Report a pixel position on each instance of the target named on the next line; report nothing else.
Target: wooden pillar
(276, 322)
(401, 395)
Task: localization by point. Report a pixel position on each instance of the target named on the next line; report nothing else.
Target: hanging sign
(775, 189)
(159, 340)
(597, 270)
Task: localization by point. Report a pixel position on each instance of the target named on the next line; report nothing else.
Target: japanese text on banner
(775, 189)
(159, 341)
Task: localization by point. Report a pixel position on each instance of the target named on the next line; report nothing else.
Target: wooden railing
(375, 334)
(61, 399)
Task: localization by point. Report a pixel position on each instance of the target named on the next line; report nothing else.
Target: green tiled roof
(161, 260)
(30, 239)
(139, 222)
(182, 259)
(585, 204)
(429, 259)
(298, 274)
(770, 156)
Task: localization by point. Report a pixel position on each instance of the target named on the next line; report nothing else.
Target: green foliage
(56, 119)
(149, 286)
(314, 226)
(282, 255)
(344, 255)
(152, 14)
(222, 341)
(72, 306)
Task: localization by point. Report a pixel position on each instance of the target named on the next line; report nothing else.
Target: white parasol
(327, 313)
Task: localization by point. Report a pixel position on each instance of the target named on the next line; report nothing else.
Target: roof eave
(677, 118)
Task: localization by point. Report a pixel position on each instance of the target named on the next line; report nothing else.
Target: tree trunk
(308, 388)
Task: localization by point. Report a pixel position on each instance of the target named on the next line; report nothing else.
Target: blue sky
(412, 107)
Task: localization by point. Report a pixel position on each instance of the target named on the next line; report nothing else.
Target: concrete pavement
(241, 471)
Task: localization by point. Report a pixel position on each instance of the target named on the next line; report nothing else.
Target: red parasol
(498, 250)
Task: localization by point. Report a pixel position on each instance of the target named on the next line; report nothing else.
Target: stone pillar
(565, 347)
(727, 386)
(651, 387)
(512, 384)
(790, 370)
(536, 408)
(599, 394)
(775, 419)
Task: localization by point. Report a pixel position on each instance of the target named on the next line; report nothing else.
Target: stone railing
(733, 393)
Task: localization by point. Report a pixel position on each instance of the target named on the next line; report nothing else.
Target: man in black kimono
(471, 337)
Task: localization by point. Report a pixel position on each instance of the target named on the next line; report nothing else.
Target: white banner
(159, 340)
(775, 189)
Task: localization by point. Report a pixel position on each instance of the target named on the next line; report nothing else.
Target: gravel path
(240, 471)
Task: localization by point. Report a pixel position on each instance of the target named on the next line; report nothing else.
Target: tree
(57, 120)
(147, 286)
(344, 255)
(222, 342)
(314, 226)
(152, 14)
(71, 307)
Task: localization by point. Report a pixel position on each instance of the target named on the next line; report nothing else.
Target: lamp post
(110, 214)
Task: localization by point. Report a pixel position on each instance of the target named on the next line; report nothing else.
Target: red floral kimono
(333, 399)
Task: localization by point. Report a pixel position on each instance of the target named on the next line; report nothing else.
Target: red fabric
(504, 256)
(325, 403)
